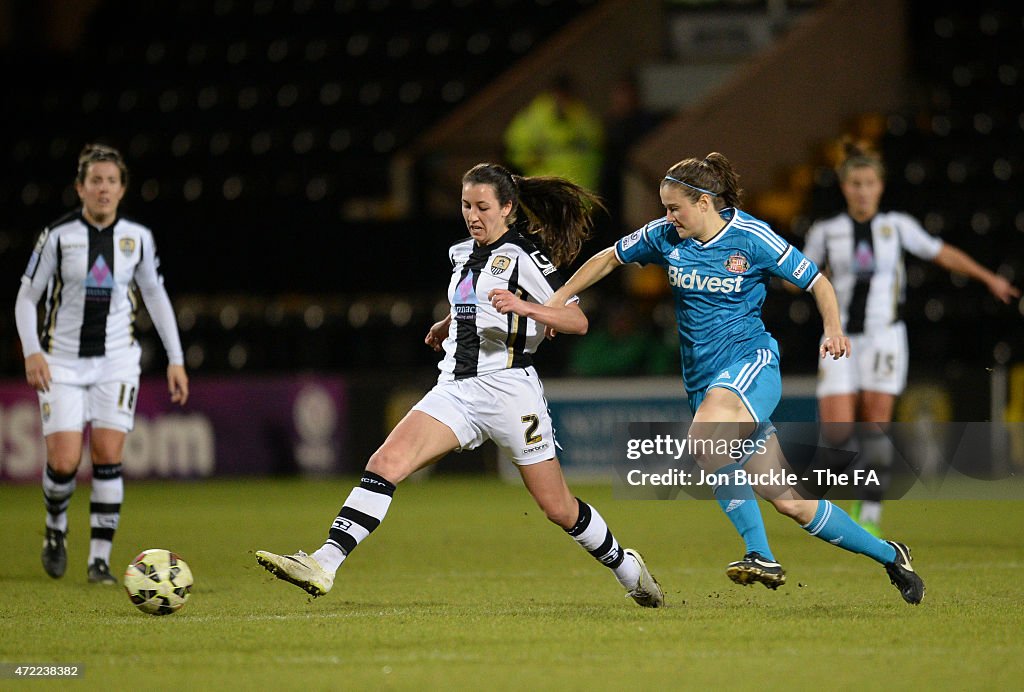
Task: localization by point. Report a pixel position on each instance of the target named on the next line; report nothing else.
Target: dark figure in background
(626, 122)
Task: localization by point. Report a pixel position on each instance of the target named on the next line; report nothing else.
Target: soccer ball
(158, 582)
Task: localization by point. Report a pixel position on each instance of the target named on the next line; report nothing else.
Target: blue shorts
(755, 379)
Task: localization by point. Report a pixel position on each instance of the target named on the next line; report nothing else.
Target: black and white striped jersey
(90, 276)
(480, 339)
(865, 263)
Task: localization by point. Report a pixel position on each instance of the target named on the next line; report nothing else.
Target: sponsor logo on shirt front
(694, 280)
(864, 259)
(465, 298)
(99, 282)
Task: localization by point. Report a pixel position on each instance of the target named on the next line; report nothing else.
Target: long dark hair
(558, 211)
(713, 175)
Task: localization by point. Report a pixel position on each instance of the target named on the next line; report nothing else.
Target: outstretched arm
(835, 344)
(952, 258)
(592, 271)
(568, 319)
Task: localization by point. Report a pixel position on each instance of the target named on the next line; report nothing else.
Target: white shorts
(101, 391)
(507, 406)
(877, 363)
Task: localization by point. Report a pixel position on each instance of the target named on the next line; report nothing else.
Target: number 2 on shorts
(533, 422)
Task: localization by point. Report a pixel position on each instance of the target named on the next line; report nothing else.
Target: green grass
(467, 586)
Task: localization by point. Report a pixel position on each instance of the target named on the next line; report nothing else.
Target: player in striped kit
(863, 249)
(92, 264)
(488, 387)
(719, 261)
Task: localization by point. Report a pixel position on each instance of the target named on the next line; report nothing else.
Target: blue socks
(832, 524)
(739, 503)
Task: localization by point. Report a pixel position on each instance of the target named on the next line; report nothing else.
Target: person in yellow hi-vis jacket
(556, 134)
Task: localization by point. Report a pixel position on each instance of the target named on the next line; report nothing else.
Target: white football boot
(299, 569)
(647, 592)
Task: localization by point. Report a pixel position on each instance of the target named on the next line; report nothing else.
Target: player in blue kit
(719, 261)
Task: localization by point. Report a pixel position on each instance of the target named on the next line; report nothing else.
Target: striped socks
(363, 512)
(104, 509)
(593, 534)
(368, 503)
(57, 491)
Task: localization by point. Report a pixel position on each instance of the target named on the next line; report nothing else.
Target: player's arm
(41, 266)
(438, 332)
(953, 259)
(835, 344)
(791, 287)
(161, 312)
(158, 303)
(568, 319)
(593, 270)
(814, 250)
(37, 371)
(795, 267)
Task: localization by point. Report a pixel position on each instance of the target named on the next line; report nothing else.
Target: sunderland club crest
(737, 263)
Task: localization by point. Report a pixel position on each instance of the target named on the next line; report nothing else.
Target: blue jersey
(719, 287)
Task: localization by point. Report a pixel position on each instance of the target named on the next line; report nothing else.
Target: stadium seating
(252, 128)
(296, 102)
(953, 161)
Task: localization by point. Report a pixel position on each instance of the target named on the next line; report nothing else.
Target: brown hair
(94, 153)
(713, 175)
(857, 156)
(558, 211)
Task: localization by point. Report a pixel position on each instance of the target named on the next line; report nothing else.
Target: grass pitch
(467, 586)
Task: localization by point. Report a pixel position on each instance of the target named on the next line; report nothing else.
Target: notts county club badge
(500, 264)
(737, 263)
(127, 246)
